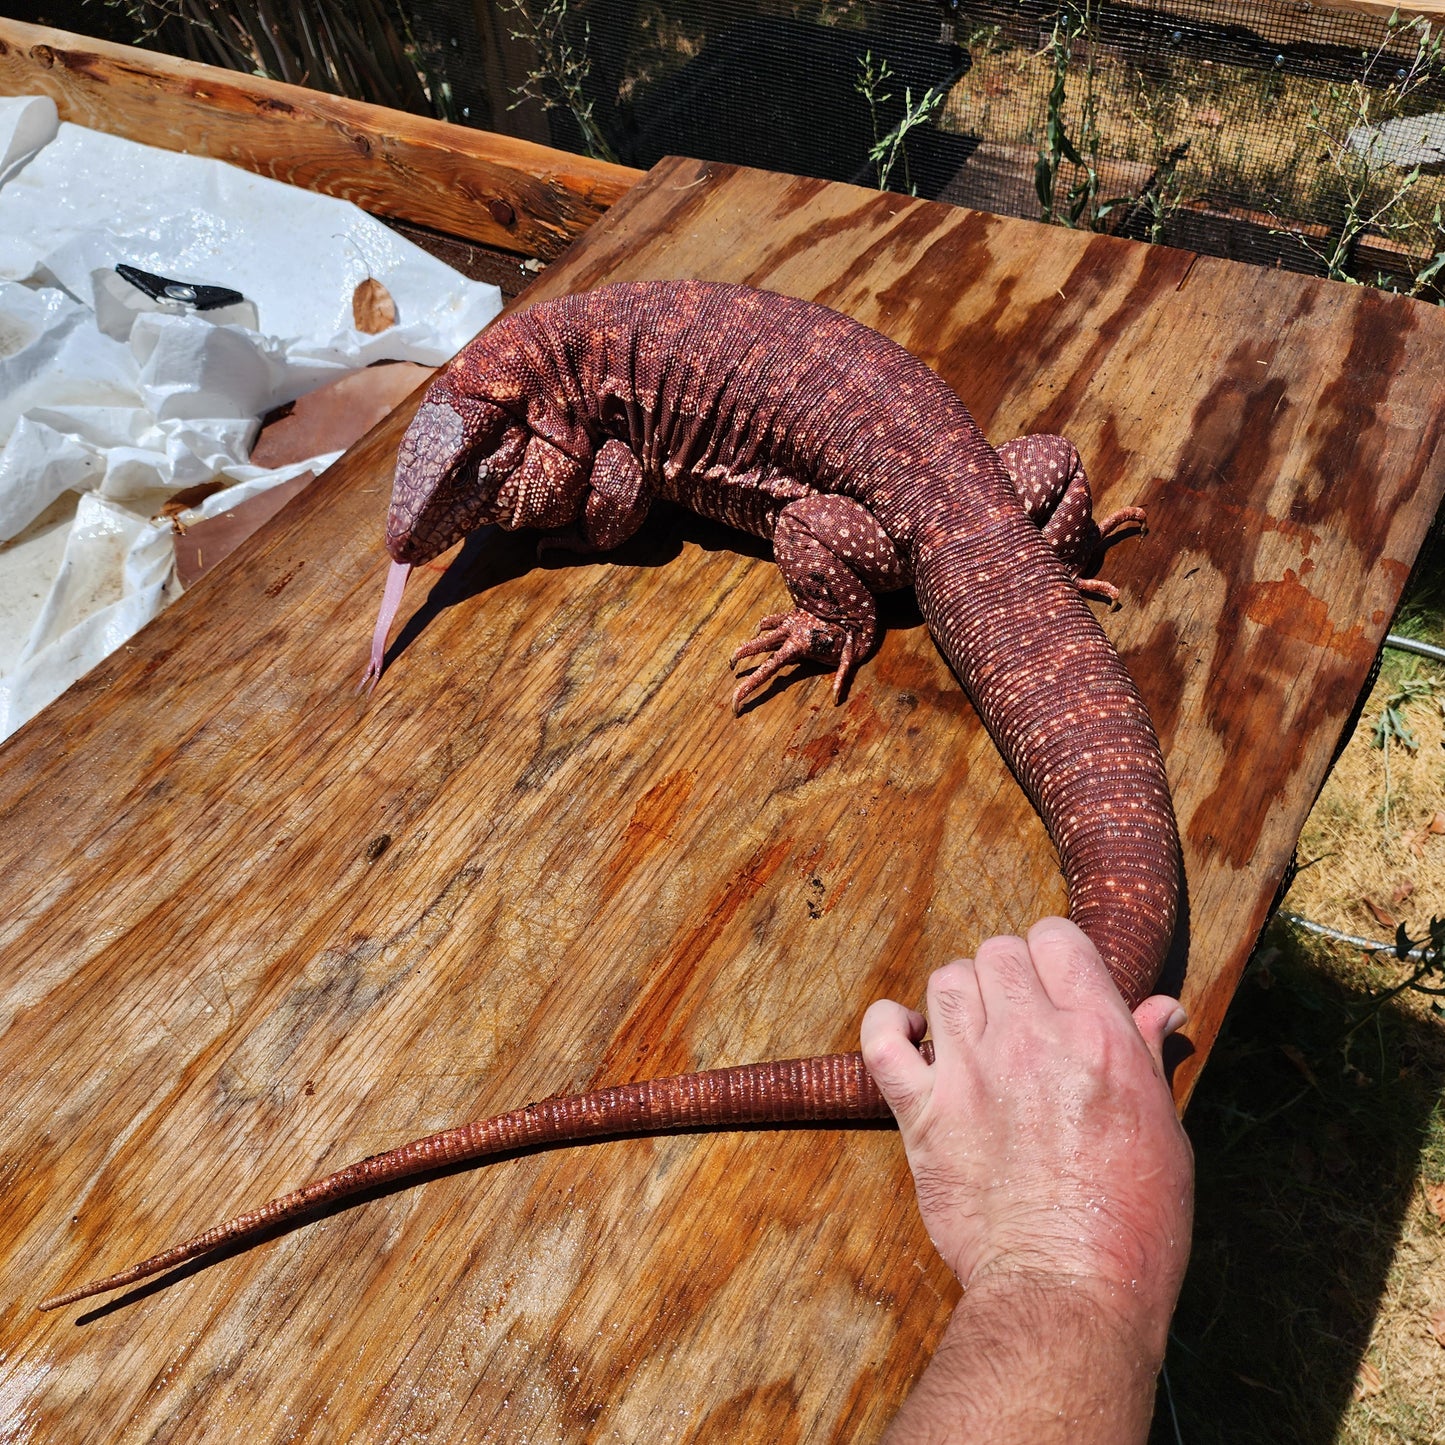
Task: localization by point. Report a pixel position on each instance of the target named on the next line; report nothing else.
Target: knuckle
(950, 976)
(1004, 947)
(950, 1009)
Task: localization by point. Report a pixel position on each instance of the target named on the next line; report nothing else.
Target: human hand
(1043, 1140)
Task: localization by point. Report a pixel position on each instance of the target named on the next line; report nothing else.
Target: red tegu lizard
(800, 425)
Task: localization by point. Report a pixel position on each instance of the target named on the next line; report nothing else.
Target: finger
(1157, 1018)
(885, 1015)
(956, 1011)
(1069, 967)
(1007, 978)
(889, 1039)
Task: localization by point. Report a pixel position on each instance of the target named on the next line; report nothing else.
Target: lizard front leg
(1048, 474)
(834, 556)
(618, 499)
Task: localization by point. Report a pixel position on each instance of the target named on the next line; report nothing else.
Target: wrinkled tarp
(98, 431)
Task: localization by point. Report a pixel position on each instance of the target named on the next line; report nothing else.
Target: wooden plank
(1327, 41)
(507, 271)
(1287, 21)
(1383, 9)
(1257, 237)
(253, 926)
(1376, 256)
(999, 177)
(494, 189)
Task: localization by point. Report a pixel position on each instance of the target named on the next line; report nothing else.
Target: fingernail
(1176, 1021)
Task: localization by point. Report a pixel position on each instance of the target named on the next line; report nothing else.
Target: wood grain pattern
(1320, 19)
(254, 927)
(1383, 9)
(512, 194)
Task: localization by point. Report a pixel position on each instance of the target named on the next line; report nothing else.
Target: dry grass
(1370, 832)
(1260, 140)
(1318, 1276)
(1318, 1263)
(1403, 1351)
(1367, 840)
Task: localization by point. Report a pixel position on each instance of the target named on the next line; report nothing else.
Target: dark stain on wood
(276, 588)
(1290, 609)
(690, 970)
(1160, 663)
(1347, 431)
(651, 823)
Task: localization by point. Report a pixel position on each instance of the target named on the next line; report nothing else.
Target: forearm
(1029, 1362)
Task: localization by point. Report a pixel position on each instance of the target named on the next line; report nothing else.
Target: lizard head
(452, 464)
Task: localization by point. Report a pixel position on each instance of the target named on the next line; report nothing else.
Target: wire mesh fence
(1274, 131)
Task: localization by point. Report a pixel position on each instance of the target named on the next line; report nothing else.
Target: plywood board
(253, 926)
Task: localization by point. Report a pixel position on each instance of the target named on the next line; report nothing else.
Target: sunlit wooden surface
(255, 926)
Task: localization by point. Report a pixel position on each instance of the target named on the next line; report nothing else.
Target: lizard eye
(447, 471)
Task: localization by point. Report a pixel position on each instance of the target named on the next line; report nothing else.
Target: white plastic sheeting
(97, 430)
(1406, 142)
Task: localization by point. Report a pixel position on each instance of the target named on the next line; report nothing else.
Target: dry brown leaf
(1382, 916)
(1368, 1382)
(1403, 890)
(1436, 1325)
(1417, 840)
(1435, 1198)
(185, 499)
(372, 308)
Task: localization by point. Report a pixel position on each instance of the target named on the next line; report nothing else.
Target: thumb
(890, 1035)
(1156, 1018)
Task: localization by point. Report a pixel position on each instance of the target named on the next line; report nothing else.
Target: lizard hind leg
(1049, 477)
(834, 556)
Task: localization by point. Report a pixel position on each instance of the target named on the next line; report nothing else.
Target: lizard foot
(569, 541)
(1095, 586)
(796, 636)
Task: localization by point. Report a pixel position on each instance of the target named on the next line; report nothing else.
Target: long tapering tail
(791, 1091)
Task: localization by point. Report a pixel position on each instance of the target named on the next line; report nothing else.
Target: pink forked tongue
(390, 601)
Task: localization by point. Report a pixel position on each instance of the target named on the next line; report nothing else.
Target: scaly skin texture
(797, 424)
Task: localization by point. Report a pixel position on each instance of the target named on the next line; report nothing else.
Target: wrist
(1032, 1358)
(1129, 1316)
(1130, 1276)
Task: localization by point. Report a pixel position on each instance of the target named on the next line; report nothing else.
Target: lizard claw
(1097, 587)
(567, 541)
(1122, 518)
(794, 637)
(770, 634)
